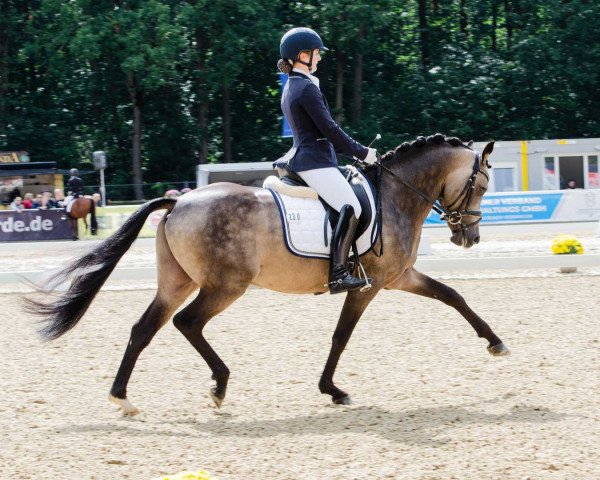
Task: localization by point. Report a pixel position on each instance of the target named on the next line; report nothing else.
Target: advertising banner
(110, 219)
(30, 225)
(560, 206)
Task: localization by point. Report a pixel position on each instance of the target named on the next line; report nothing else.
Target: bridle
(453, 217)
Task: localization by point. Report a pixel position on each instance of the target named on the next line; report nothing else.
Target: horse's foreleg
(354, 306)
(155, 316)
(420, 284)
(191, 321)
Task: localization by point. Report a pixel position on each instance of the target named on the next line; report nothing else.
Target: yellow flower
(566, 244)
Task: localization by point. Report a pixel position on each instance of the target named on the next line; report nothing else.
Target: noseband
(453, 217)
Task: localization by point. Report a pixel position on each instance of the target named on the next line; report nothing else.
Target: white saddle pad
(305, 226)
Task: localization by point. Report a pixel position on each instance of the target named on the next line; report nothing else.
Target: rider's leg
(332, 187)
(68, 203)
(335, 190)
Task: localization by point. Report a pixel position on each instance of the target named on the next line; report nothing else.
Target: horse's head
(462, 193)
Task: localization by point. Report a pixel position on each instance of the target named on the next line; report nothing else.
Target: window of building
(592, 172)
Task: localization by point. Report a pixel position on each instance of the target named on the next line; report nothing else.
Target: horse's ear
(487, 152)
(470, 144)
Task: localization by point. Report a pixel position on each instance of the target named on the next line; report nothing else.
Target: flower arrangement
(566, 244)
(200, 475)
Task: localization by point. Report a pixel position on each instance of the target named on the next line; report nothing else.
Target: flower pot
(568, 269)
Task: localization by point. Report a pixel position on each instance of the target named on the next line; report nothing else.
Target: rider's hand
(371, 157)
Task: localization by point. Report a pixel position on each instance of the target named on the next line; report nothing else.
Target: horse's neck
(404, 211)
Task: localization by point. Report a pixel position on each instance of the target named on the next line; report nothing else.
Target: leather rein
(453, 217)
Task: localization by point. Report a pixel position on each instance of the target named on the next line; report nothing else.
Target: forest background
(164, 85)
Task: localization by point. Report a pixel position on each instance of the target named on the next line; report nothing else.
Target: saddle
(308, 221)
(290, 183)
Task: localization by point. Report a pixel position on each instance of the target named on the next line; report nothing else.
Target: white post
(102, 189)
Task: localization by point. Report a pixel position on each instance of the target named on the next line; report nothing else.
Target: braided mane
(437, 139)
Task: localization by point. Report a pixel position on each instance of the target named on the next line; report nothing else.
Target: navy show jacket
(316, 135)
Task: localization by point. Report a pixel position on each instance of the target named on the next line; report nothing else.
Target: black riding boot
(340, 279)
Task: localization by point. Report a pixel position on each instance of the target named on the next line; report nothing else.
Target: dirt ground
(429, 401)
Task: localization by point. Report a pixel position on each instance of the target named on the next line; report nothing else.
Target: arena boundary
(425, 265)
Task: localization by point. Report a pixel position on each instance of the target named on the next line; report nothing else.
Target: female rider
(316, 139)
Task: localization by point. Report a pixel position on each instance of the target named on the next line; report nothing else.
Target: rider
(316, 139)
(75, 185)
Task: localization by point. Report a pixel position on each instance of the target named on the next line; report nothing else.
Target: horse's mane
(434, 140)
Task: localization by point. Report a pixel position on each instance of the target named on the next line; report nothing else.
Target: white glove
(371, 157)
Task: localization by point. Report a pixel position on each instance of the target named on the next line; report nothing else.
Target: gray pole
(102, 189)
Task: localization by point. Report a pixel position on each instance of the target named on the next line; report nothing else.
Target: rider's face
(305, 57)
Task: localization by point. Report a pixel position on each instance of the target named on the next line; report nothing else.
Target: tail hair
(88, 273)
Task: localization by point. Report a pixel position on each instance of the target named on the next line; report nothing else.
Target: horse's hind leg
(154, 318)
(174, 286)
(191, 321)
(416, 282)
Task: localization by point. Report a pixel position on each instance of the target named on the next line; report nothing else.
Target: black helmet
(74, 172)
(298, 40)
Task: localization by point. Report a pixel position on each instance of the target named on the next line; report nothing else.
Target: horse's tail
(89, 273)
(93, 221)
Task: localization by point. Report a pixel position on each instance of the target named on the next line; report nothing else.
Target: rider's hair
(436, 139)
(285, 65)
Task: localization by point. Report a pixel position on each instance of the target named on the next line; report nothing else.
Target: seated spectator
(59, 198)
(14, 194)
(37, 201)
(17, 204)
(28, 201)
(47, 201)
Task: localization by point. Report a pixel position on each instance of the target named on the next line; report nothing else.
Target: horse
(80, 207)
(222, 238)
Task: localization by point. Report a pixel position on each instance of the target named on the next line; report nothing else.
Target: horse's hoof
(218, 399)
(342, 401)
(499, 350)
(128, 408)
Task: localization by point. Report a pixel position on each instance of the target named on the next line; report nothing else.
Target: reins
(453, 217)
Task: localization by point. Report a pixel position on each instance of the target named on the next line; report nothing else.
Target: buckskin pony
(223, 237)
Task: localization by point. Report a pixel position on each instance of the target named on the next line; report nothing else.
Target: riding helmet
(298, 40)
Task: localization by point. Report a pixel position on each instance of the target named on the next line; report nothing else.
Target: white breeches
(69, 203)
(332, 187)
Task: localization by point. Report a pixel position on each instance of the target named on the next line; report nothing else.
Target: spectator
(97, 199)
(37, 201)
(185, 190)
(14, 194)
(28, 201)
(17, 205)
(59, 198)
(172, 193)
(571, 184)
(47, 201)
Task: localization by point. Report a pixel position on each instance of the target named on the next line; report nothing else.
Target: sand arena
(429, 401)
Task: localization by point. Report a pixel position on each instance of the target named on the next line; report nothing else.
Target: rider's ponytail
(284, 65)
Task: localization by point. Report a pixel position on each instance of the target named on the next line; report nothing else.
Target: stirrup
(363, 274)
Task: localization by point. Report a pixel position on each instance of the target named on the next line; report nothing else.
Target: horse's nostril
(476, 239)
